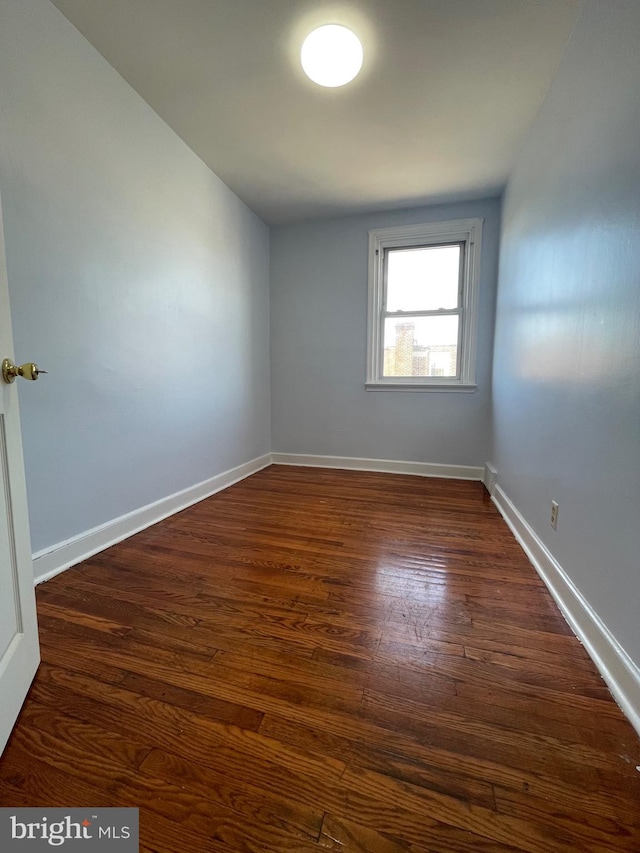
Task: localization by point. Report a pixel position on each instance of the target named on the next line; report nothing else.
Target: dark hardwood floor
(325, 660)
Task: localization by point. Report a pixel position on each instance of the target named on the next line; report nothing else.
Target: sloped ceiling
(440, 111)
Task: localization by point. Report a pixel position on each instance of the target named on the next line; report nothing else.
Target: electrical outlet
(554, 515)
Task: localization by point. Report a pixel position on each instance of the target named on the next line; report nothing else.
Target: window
(423, 306)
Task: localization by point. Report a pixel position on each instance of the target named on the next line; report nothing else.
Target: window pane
(423, 279)
(421, 346)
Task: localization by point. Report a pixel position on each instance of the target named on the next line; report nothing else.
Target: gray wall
(137, 279)
(567, 356)
(318, 356)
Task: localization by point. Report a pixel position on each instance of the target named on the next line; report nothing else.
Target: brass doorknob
(29, 370)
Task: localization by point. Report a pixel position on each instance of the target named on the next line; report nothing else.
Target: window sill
(421, 386)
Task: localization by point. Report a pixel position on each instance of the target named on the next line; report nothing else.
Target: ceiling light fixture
(331, 55)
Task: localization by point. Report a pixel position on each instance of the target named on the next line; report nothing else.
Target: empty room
(320, 426)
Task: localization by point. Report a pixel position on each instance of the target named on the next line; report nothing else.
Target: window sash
(426, 245)
(454, 312)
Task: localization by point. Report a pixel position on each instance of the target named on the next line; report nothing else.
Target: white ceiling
(447, 93)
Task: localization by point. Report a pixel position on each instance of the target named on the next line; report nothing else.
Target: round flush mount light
(331, 55)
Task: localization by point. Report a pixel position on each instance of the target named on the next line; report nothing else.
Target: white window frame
(465, 231)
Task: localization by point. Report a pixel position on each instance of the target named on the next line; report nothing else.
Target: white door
(19, 649)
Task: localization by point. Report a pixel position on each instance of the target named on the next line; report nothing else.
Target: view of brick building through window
(406, 357)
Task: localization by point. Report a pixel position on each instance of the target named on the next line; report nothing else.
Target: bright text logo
(34, 829)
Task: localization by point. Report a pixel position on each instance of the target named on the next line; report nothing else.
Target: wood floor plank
(223, 787)
(339, 834)
(98, 756)
(515, 748)
(159, 724)
(157, 645)
(325, 660)
(595, 832)
(404, 761)
(40, 782)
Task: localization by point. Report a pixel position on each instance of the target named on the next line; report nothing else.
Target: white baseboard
(51, 561)
(621, 674)
(390, 466)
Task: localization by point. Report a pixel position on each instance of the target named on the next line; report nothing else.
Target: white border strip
(391, 466)
(51, 561)
(621, 674)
